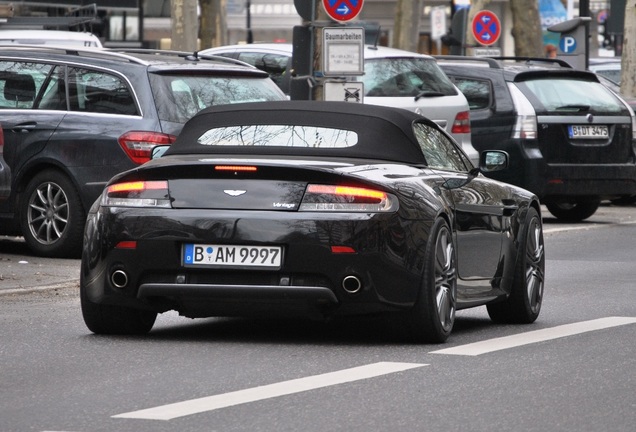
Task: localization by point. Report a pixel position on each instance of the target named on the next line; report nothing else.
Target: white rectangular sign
(343, 51)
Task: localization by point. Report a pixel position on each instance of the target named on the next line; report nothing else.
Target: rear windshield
(567, 95)
(179, 97)
(400, 77)
(279, 136)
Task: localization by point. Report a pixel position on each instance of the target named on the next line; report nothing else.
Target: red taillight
(137, 186)
(150, 194)
(235, 168)
(126, 244)
(138, 145)
(342, 250)
(354, 192)
(461, 123)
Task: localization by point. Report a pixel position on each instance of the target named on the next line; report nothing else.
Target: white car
(391, 77)
(49, 37)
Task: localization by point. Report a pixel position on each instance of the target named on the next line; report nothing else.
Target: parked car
(73, 118)
(300, 207)
(391, 77)
(609, 67)
(570, 139)
(48, 37)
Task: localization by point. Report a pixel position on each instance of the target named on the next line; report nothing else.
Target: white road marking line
(487, 346)
(210, 403)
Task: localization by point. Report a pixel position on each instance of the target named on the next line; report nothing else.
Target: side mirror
(493, 160)
(158, 151)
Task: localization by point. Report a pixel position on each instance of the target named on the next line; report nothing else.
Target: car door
(26, 128)
(480, 212)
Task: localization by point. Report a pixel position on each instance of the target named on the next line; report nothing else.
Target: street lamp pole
(250, 36)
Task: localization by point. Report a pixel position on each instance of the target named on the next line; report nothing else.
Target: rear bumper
(606, 180)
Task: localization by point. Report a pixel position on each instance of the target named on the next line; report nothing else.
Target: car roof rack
(537, 61)
(187, 55)
(93, 52)
(79, 18)
(490, 62)
(495, 62)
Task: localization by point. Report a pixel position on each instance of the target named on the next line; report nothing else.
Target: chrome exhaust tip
(119, 279)
(352, 284)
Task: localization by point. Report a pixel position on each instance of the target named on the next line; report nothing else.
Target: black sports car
(317, 209)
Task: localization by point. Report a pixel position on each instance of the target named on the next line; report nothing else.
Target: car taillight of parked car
(138, 145)
(461, 123)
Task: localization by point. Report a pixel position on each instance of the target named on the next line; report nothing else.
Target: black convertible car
(314, 209)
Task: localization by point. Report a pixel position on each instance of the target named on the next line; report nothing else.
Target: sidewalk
(21, 271)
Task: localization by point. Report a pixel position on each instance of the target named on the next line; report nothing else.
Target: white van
(49, 37)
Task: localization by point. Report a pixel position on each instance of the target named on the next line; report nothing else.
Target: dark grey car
(74, 118)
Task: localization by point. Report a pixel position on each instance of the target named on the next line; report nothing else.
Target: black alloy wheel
(526, 297)
(433, 316)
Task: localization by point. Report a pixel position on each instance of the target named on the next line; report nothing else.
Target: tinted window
(570, 95)
(274, 64)
(179, 97)
(392, 77)
(20, 83)
(477, 92)
(100, 92)
(438, 150)
(279, 136)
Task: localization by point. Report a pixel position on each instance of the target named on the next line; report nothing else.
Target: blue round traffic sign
(486, 27)
(342, 10)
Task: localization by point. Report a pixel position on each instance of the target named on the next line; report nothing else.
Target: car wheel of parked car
(524, 303)
(573, 210)
(51, 215)
(110, 319)
(433, 315)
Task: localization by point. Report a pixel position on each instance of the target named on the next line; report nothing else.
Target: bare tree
(406, 33)
(628, 59)
(526, 28)
(213, 30)
(185, 26)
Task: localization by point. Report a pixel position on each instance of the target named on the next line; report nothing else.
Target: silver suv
(392, 77)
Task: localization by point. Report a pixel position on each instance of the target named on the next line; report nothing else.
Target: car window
(438, 150)
(279, 136)
(391, 77)
(20, 83)
(179, 97)
(274, 64)
(99, 92)
(570, 95)
(477, 92)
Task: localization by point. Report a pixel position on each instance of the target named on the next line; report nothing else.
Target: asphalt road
(572, 370)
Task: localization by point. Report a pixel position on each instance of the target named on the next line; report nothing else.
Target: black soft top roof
(384, 133)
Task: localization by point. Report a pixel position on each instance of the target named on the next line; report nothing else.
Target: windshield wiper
(573, 107)
(428, 93)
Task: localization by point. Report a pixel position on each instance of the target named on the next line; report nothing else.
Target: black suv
(73, 118)
(571, 141)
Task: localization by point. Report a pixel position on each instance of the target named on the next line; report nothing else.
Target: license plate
(588, 131)
(215, 255)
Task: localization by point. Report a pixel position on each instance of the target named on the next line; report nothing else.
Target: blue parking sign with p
(567, 44)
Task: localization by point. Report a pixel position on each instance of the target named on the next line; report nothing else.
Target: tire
(115, 320)
(52, 218)
(432, 318)
(524, 302)
(573, 210)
